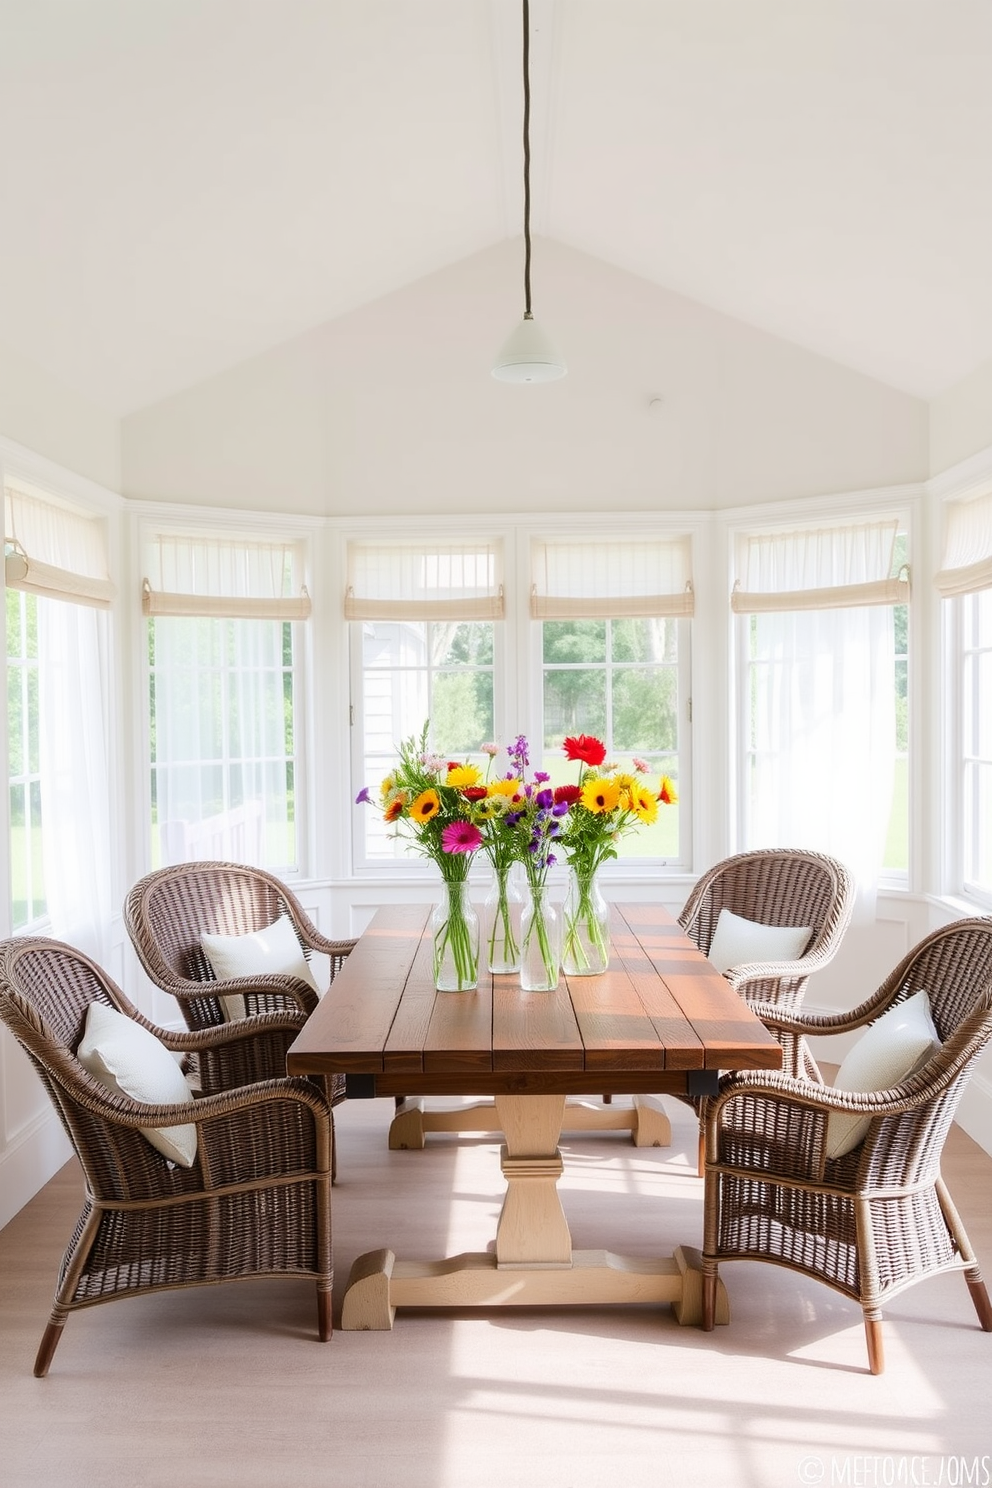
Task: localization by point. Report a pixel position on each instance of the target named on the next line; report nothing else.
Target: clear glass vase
(455, 928)
(585, 948)
(501, 916)
(540, 943)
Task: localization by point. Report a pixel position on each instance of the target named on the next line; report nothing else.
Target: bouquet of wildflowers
(528, 826)
(607, 802)
(440, 805)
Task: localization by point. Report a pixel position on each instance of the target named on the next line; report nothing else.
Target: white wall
(392, 409)
(43, 414)
(961, 420)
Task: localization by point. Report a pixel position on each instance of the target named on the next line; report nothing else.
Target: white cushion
(737, 940)
(899, 1044)
(274, 951)
(129, 1060)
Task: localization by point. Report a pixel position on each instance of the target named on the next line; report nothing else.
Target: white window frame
(518, 671)
(249, 527)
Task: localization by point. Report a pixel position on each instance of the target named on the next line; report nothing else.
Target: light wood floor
(228, 1385)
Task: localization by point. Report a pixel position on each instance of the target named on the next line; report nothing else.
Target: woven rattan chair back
(256, 1201)
(168, 910)
(775, 886)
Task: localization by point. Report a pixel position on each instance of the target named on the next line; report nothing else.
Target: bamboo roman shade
(425, 581)
(825, 569)
(54, 552)
(224, 578)
(967, 565)
(590, 579)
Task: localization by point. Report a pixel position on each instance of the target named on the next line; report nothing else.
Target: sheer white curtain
(222, 688)
(821, 751)
(53, 551)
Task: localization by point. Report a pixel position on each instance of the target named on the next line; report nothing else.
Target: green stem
(456, 936)
(502, 926)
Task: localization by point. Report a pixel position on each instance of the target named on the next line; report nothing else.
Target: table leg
(533, 1263)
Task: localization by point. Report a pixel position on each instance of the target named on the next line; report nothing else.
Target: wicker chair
(256, 1201)
(166, 913)
(775, 886)
(877, 1219)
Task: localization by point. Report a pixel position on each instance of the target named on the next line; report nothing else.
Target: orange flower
(668, 794)
(394, 809)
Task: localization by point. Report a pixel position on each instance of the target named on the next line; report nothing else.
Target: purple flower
(540, 775)
(545, 799)
(363, 798)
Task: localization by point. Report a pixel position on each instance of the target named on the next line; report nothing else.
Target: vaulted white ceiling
(184, 183)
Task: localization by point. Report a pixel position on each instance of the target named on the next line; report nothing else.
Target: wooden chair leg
(49, 1343)
(980, 1297)
(876, 1349)
(709, 1300)
(324, 1324)
(701, 1154)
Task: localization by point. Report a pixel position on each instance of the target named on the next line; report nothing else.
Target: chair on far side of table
(179, 1191)
(843, 1183)
(772, 890)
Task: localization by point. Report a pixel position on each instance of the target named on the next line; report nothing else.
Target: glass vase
(540, 943)
(501, 920)
(455, 928)
(585, 949)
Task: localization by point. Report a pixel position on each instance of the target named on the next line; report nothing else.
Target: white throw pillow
(737, 940)
(897, 1045)
(126, 1058)
(274, 951)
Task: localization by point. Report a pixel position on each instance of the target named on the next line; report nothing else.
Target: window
(965, 583)
(58, 701)
(976, 743)
(615, 662)
(819, 686)
(609, 656)
(26, 852)
(223, 655)
(424, 640)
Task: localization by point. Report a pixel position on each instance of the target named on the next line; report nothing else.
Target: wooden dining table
(659, 1020)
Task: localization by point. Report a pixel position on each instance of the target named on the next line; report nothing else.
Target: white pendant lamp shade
(528, 356)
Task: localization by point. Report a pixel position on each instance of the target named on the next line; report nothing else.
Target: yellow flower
(600, 795)
(387, 787)
(427, 804)
(668, 794)
(462, 776)
(644, 804)
(508, 788)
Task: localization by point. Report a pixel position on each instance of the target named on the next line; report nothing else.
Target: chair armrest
(802, 1022)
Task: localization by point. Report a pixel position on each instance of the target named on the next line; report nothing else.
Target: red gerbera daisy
(568, 794)
(475, 793)
(585, 748)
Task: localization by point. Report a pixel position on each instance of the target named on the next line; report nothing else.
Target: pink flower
(461, 837)
(641, 765)
(491, 749)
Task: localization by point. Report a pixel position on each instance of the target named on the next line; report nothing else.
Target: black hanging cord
(526, 14)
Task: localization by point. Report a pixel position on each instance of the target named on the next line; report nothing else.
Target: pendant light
(527, 355)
